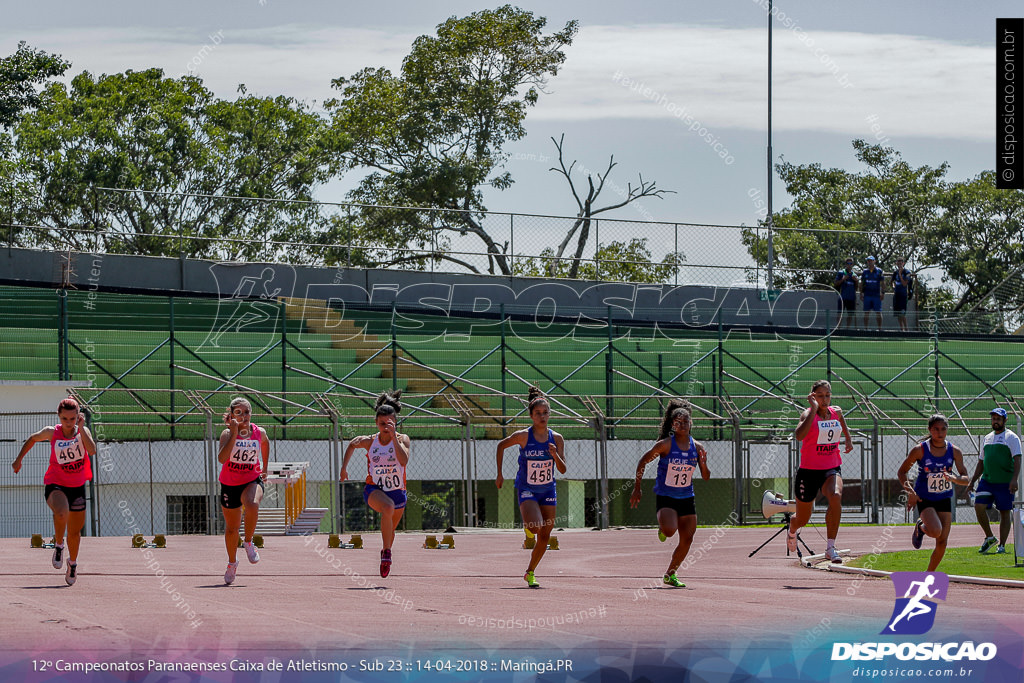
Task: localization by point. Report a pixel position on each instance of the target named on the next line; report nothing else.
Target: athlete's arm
(846, 430)
(87, 440)
(1016, 474)
(402, 446)
(958, 463)
(978, 469)
(659, 449)
(227, 440)
(265, 453)
(702, 461)
(358, 442)
(44, 434)
(513, 439)
(806, 418)
(913, 456)
(558, 452)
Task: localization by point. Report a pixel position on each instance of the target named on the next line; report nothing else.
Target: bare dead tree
(586, 205)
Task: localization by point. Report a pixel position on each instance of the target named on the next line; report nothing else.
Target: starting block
(430, 543)
(333, 541)
(139, 541)
(160, 541)
(355, 542)
(37, 542)
(531, 543)
(447, 541)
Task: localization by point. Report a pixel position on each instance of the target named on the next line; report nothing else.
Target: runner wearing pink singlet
(243, 455)
(71, 445)
(820, 429)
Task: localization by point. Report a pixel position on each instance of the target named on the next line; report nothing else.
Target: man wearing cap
(999, 470)
(872, 283)
(846, 283)
(902, 285)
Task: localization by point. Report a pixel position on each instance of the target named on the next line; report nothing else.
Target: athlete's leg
(251, 498)
(379, 501)
(931, 523)
(58, 502)
(833, 490)
(981, 511)
(232, 522)
(76, 521)
(802, 516)
(1005, 521)
(945, 519)
(668, 521)
(547, 513)
(687, 527)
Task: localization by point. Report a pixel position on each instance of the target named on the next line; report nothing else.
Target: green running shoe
(673, 580)
(530, 580)
(662, 537)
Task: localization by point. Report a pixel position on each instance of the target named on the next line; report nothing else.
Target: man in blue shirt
(846, 283)
(872, 283)
(902, 285)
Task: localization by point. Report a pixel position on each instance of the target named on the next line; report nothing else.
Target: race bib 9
(678, 475)
(68, 451)
(828, 432)
(937, 483)
(387, 477)
(539, 472)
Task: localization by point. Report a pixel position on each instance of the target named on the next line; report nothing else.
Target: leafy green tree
(21, 76)
(433, 135)
(616, 261)
(886, 211)
(184, 163)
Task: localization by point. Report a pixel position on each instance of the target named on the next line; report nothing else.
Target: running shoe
(71, 575)
(1000, 550)
(791, 542)
(229, 575)
(251, 553)
(529, 534)
(672, 580)
(58, 556)
(385, 563)
(833, 555)
(918, 536)
(662, 537)
(530, 580)
(989, 542)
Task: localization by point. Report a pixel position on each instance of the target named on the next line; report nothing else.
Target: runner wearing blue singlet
(678, 457)
(932, 491)
(541, 451)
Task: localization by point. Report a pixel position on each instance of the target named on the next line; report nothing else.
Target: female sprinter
(71, 444)
(679, 456)
(933, 489)
(243, 448)
(541, 450)
(387, 455)
(819, 429)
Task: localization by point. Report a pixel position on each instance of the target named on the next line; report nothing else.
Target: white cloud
(915, 86)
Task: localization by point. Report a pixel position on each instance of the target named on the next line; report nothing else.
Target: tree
(616, 261)
(886, 212)
(432, 135)
(21, 74)
(586, 210)
(184, 163)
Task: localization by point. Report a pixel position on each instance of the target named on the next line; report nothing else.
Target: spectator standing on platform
(999, 471)
(846, 283)
(902, 288)
(872, 283)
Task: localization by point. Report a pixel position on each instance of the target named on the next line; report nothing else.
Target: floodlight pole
(771, 240)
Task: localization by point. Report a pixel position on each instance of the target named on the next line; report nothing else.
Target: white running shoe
(71, 575)
(250, 552)
(791, 542)
(58, 557)
(229, 575)
(833, 554)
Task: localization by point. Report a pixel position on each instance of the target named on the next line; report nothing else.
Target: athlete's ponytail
(676, 409)
(535, 398)
(389, 403)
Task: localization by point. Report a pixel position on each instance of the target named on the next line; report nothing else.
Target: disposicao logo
(914, 614)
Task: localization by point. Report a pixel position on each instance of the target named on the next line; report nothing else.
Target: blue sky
(916, 75)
